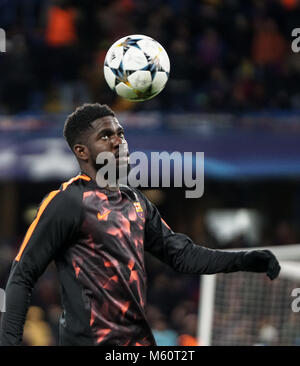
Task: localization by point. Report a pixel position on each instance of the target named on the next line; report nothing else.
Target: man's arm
(55, 222)
(184, 256)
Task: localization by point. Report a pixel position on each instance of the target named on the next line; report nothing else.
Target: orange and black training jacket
(97, 239)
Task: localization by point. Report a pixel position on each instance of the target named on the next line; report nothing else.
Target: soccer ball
(136, 67)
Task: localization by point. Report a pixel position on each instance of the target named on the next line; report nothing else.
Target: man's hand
(260, 261)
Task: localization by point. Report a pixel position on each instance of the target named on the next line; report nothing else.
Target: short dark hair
(78, 122)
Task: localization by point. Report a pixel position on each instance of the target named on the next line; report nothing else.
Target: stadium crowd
(225, 55)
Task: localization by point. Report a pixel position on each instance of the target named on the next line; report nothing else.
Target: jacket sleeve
(178, 250)
(55, 222)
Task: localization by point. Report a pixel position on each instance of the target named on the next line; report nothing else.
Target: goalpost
(248, 309)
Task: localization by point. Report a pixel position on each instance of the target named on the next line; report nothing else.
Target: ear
(81, 152)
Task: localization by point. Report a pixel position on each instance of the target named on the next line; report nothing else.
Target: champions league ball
(136, 67)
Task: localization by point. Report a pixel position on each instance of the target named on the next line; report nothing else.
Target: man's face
(108, 136)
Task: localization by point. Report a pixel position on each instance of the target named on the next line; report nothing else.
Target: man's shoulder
(76, 183)
(69, 194)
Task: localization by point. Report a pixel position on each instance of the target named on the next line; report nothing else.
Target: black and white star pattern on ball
(129, 42)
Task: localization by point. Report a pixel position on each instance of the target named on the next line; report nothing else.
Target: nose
(116, 141)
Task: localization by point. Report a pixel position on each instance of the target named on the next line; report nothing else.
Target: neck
(89, 170)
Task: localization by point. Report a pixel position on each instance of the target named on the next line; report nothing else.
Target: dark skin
(105, 135)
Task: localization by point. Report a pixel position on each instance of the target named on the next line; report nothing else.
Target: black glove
(260, 261)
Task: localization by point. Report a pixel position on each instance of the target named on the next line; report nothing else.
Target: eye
(104, 138)
(122, 135)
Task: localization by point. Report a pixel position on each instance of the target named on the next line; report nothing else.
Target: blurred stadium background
(233, 93)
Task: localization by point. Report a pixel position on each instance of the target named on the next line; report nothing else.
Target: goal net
(248, 309)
